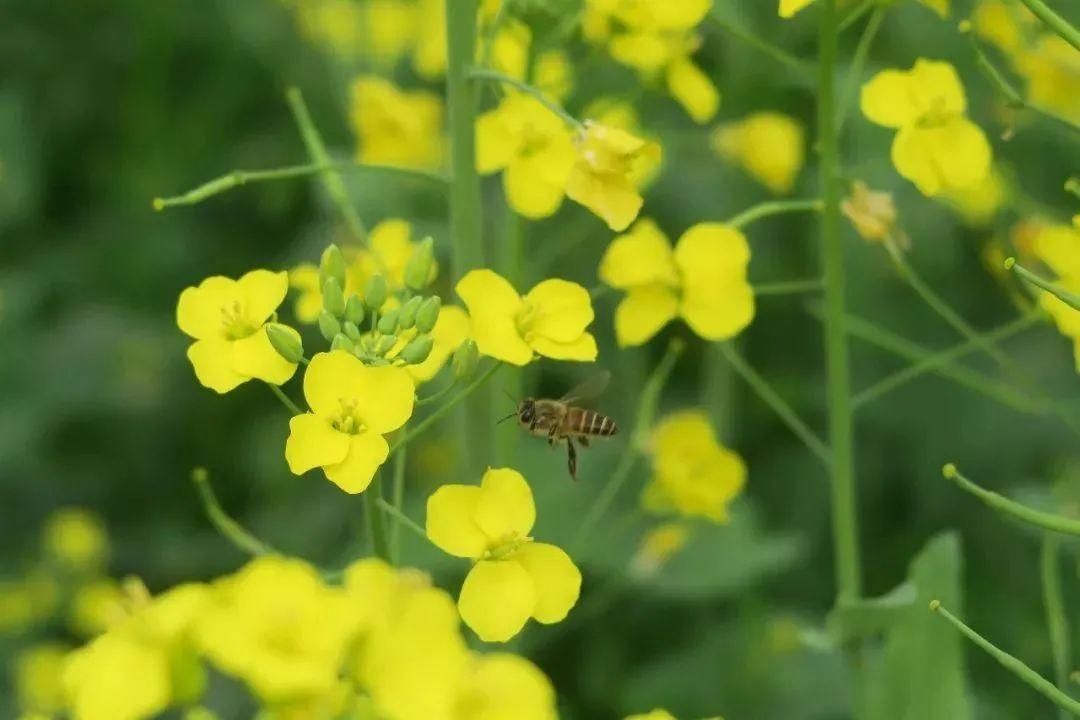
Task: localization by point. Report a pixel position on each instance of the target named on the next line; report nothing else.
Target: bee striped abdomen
(588, 422)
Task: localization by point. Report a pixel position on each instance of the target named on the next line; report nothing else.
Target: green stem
(789, 287)
(437, 395)
(774, 207)
(532, 91)
(771, 398)
(853, 17)
(465, 226)
(422, 426)
(401, 519)
(289, 404)
(316, 149)
(375, 528)
(1038, 518)
(1054, 21)
(1017, 667)
(648, 403)
(1053, 599)
(1057, 291)
(858, 61)
(233, 531)
(775, 52)
(398, 499)
(237, 178)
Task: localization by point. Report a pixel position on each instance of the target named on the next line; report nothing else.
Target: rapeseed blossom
(512, 578)
(693, 474)
(550, 320)
(76, 539)
(769, 146)
(227, 319)
(788, 8)
(657, 714)
(978, 205)
(1058, 247)
(703, 281)
(936, 146)
(621, 114)
(352, 407)
(394, 126)
(603, 176)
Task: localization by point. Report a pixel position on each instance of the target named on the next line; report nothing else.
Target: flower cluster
(394, 126)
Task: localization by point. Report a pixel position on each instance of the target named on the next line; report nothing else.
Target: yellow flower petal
(313, 442)
(505, 508)
(717, 301)
(451, 521)
(557, 580)
(384, 397)
(213, 364)
(528, 190)
(496, 142)
(262, 291)
(493, 306)
(788, 8)
(644, 312)
(887, 99)
(642, 256)
(562, 310)
(327, 379)
(117, 678)
(583, 349)
(898, 98)
(508, 687)
(693, 89)
(198, 313)
(367, 451)
(717, 313)
(496, 600)
(961, 153)
(255, 357)
(614, 199)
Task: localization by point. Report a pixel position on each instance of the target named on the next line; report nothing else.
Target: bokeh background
(105, 104)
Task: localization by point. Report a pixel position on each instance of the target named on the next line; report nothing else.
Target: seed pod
(328, 325)
(333, 299)
(375, 292)
(388, 323)
(354, 309)
(418, 268)
(342, 342)
(383, 345)
(417, 350)
(428, 314)
(286, 341)
(407, 316)
(332, 265)
(466, 358)
(351, 330)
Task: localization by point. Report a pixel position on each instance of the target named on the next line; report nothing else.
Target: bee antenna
(510, 395)
(504, 419)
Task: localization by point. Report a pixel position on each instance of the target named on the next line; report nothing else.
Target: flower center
(347, 421)
(505, 547)
(936, 115)
(233, 324)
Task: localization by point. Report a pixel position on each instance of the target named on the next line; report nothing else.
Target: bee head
(526, 411)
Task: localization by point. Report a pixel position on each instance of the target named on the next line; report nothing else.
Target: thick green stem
(233, 531)
(465, 225)
(774, 207)
(375, 527)
(398, 499)
(1054, 21)
(1056, 619)
(1022, 513)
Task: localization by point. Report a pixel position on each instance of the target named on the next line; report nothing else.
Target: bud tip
(200, 475)
(949, 471)
(158, 204)
(1009, 262)
(935, 605)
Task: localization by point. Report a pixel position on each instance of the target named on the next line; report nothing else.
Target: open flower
(395, 127)
(352, 407)
(769, 146)
(602, 178)
(227, 318)
(936, 146)
(550, 320)
(693, 474)
(702, 281)
(513, 578)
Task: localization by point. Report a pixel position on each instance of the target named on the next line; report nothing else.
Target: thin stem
(789, 287)
(534, 92)
(770, 397)
(375, 529)
(422, 426)
(1057, 291)
(1016, 666)
(289, 404)
(1054, 21)
(858, 61)
(401, 519)
(398, 499)
(237, 178)
(1056, 619)
(774, 51)
(648, 403)
(853, 17)
(316, 150)
(774, 207)
(437, 395)
(465, 225)
(1030, 516)
(233, 531)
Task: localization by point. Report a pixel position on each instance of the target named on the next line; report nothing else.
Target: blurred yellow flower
(873, 214)
(389, 247)
(979, 204)
(657, 714)
(95, 607)
(352, 407)
(703, 281)
(936, 146)
(1051, 67)
(37, 683)
(502, 686)
(659, 545)
(602, 178)
(534, 150)
(693, 474)
(227, 319)
(550, 320)
(769, 146)
(429, 53)
(999, 22)
(76, 538)
(513, 578)
(395, 127)
(621, 114)
(1058, 247)
(788, 8)
(277, 627)
(26, 601)
(305, 279)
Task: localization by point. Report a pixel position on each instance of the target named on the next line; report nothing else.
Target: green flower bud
(354, 309)
(417, 350)
(342, 342)
(367, 344)
(383, 345)
(333, 300)
(466, 358)
(351, 330)
(375, 292)
(428, 313)
(407, 316)
(418, 269)
(328, 325)
(286, 342)
(332, 265)
(388, 322)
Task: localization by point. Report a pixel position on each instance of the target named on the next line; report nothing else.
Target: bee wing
(588, 388)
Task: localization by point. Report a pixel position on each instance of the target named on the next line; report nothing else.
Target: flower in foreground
(395, 127)
(227, 318)
(770, 146)
(602, 178)
(693, 474)
(550, 320)
(703, 281)
(352, 407)
(513, 578)
(936, 146)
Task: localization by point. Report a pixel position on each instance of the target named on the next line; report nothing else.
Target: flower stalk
(1011, 508)
(465, 227)
(1054, 601)
(774, 207)
(233, 531)
(1054, 21)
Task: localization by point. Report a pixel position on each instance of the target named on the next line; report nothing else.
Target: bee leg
(571, 458)
(584, 440)
(552, 436)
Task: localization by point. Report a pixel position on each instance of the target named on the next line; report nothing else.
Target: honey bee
(560, 420)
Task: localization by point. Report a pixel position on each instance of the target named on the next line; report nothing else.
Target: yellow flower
(873, 214)
(429, 53)
(770, 146)
(37, 683)
(693, 89)
(26, 601)
(227, 319)
(76, 538)
(1058, 247)
(1052, 70)
(1001, 23)
(277, 627)
(553, 74)
(502, 686)
(352, 407)
(395, 127)
(95, 607)
(513, 578)
(978, 205)
(657, 714)
(534, 150)
(336, 24)
(551, 319)
(936, 146)
(621, 114)
(659, 545)
(693, 474)
(305, 279)
(788, 8)
(602, 178)
(390, 245)
(703, 281)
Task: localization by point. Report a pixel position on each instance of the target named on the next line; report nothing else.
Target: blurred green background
(105, 104)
